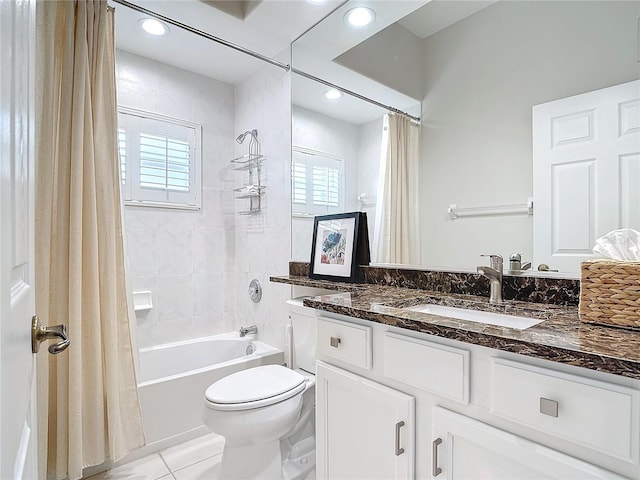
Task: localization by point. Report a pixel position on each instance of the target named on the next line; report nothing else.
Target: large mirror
(472, 70)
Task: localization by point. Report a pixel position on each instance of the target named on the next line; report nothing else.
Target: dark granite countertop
(560, 337)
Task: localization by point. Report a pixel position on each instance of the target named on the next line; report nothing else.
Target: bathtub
(173, 378)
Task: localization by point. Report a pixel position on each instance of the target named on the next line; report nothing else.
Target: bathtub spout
(246, 330)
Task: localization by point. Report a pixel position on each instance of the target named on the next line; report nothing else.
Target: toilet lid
(255, 384)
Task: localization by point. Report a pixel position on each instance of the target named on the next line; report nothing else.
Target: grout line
(200, 461)
(166, 465)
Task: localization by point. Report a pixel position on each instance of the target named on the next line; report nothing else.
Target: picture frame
(334, 249)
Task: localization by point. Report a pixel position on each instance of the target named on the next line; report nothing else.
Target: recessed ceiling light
(153, 26)
(359, 16)
(316, 2)
(332, 94)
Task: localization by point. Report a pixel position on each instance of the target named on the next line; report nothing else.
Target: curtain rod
(246, 51)
(200, 33)
(354, 94)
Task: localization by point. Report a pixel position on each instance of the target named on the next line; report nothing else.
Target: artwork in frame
(334, 249)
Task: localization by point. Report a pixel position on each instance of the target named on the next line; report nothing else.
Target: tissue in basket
(610, 293)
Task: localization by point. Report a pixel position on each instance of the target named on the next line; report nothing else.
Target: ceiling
(267, 27)
(336, 53)
(438, 15)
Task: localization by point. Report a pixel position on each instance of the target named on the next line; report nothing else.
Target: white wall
(263, 241)
(483, 75)
(184, 257)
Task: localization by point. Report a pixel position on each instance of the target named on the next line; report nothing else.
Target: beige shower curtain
(94, 412)
(396, 235)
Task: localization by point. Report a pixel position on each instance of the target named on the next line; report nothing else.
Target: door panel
(17, 371)
(585, 173)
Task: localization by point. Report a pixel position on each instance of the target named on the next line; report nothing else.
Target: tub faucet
(494, 274)
(246, 330)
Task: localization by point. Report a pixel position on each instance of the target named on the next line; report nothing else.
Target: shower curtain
(94, 412)
(396, 235)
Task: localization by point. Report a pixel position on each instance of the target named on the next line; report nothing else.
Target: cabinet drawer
(344, 341)
(591, 413)
(436, 368)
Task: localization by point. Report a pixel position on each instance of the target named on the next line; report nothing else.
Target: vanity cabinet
(364, 429)
(464, 448)
(471, 412)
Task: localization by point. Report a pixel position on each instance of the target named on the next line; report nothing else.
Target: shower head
(253, 133)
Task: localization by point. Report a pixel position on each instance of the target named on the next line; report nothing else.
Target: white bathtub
(173, 378)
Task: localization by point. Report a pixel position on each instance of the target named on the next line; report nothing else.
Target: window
(160, 159)
(317, 185)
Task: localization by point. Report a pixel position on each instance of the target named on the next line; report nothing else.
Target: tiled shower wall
(185, 258)
(262, 241)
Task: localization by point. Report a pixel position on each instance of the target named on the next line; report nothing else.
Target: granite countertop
(560, 337)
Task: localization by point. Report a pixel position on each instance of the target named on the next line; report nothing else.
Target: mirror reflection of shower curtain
(396, 237)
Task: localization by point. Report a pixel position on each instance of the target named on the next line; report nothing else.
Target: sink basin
(489, 318)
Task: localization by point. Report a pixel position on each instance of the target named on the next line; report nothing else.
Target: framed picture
(334, 249)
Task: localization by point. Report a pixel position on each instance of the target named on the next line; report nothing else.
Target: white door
(17, 363)
(465, 449)
(586, 172)
(364, 430)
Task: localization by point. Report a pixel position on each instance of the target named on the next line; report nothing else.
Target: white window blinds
(317, 183)
(164, 163)
(326, 185)
(299, 183)
(122, 141)
(160, 159)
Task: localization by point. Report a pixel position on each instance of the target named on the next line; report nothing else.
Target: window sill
(173, 206)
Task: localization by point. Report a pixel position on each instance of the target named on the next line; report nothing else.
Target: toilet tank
(303, 322)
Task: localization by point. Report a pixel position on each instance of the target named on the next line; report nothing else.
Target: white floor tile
(193, 451)
(208, 469)
(147, 468)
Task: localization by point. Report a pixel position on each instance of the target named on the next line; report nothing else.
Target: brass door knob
(40, 333)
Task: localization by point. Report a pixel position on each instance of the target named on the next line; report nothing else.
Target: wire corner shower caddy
(252, 163)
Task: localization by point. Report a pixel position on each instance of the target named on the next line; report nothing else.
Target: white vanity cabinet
(364, 430)
(473, 412)
(464, 448)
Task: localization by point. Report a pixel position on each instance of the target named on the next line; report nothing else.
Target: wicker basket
(610, 293)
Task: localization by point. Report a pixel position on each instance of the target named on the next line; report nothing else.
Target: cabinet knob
(334, 342)
(548, 407)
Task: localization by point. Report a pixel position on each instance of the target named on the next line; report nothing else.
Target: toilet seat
(254, 388)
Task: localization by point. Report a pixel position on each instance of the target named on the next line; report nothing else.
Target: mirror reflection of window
(317, 182)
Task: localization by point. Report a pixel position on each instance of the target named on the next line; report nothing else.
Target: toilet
(267, 414)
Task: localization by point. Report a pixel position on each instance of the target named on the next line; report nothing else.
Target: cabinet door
(464, 448)
(365, 430)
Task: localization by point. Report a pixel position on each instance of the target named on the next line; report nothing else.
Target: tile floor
(197, 459)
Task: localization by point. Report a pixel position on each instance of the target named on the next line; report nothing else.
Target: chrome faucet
(494, 273)
(246, 330)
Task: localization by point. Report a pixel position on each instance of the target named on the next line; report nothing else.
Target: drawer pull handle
(335, 341)
(435, 469)
(548, 407)
(399, 451)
